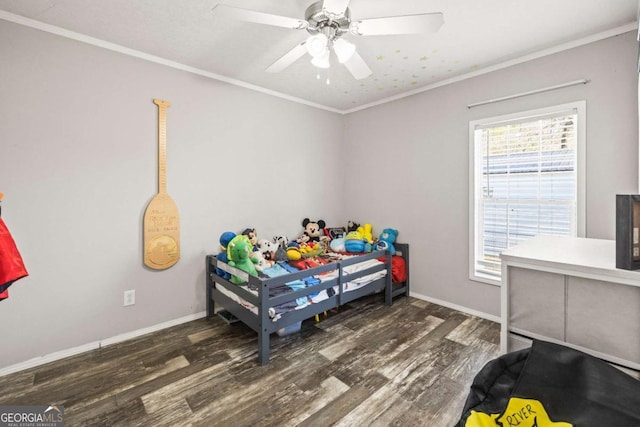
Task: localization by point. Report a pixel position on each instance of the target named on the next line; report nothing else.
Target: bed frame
(263, 324)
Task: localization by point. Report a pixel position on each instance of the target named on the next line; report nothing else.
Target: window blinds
(527, 175)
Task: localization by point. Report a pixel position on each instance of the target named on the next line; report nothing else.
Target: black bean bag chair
(551, 385)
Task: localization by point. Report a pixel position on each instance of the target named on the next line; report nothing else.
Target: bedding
(551, 385)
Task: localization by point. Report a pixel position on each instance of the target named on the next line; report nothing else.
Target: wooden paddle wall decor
(161, 218)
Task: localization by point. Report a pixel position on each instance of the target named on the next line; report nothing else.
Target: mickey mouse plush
(352, 226)
(313, 230)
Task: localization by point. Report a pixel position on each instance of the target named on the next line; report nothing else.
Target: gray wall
(78, 165)
(418, 147)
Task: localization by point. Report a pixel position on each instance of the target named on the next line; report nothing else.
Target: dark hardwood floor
(365, 364)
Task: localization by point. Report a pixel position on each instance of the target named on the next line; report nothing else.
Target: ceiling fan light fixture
(321, 61)
(327, 21)
(344, 50)
(317, 45)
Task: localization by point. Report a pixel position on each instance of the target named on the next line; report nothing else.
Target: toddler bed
(283, 300)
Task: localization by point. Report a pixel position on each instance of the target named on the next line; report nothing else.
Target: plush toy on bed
(337, 245)
(268, 249)
(386, 240)
(225, 238)
(253, 237)
(283, 241)
(313, 230)
(239, 252)
(355, 242)
(367, 232)
(281, 252)
(261, 263)
(293, 251)
(352, 226)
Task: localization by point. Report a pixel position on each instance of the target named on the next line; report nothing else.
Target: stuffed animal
(354, 242)
(268, 249)
(337, 245)
(239, 253)
(313, 230)
(225, 238)
(283, 241)
(281, 253)
(253, 237)
(352, 226)
(367, 232)
(261, 263)
(386, 240)
(293, 251)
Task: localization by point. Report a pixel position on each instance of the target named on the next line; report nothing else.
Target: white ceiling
(476, 36)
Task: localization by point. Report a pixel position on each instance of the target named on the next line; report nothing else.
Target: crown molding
(632, 26)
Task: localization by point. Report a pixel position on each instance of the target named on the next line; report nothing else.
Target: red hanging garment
(11, 265)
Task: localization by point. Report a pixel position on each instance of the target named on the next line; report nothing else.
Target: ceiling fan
(327, 21)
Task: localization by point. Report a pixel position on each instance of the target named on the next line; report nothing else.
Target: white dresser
(568, 290)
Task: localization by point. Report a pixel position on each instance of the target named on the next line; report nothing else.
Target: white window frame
(580, 107)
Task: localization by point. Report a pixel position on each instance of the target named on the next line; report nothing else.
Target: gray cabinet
(567, 290)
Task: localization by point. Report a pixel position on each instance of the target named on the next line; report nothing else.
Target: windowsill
(485, 279)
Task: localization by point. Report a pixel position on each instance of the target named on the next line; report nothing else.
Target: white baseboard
(52, 357)
(37, 361)
(457, 307)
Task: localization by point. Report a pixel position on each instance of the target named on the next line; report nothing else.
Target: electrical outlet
(129, 297)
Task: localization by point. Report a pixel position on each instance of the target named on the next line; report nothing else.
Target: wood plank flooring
(363, 364)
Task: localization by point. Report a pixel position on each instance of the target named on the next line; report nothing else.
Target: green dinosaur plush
(239, 252)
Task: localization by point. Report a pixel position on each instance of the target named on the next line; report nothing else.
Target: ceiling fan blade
(336, 7)
(408, 24)
(259, 17)
(289, 58)
(357, 67)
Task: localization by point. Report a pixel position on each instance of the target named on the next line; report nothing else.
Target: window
(527, 178)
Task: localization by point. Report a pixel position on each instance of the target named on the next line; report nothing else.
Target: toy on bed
(337, 245)
(293, 251)
(313, 231)
(282, 241)
(268, 249)
(253, 237)
(262, 263)
(355, 242)
(386, 240)
(331, 233)
(352, 226)
(225, 238)
(240, 256)
(296, 251)
(312, 249)
(367, 232)
(281, 251)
